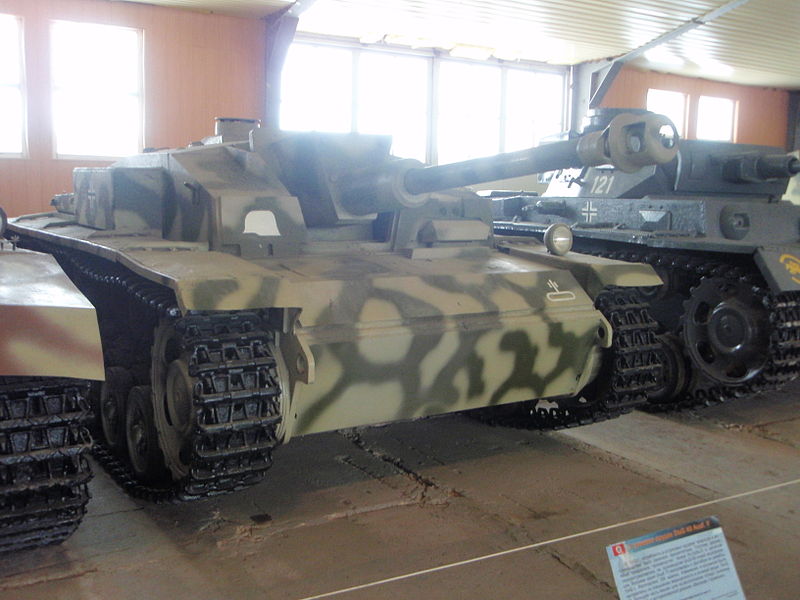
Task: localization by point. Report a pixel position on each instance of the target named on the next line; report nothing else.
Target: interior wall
(196, 67)
(762, 113)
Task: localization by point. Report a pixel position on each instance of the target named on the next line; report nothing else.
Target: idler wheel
(726, 330)
(673, 380)
(172, 400)
(179, 411)
(654, 293)
(113, 398)
(145, 455)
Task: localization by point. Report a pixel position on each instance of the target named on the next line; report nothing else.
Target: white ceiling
(236, 8)
(757, 43)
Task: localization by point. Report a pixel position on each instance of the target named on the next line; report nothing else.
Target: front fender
(593, 273)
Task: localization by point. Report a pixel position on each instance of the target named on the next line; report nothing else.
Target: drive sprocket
(726, 330)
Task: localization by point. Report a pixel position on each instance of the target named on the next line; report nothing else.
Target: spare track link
(630, 368)
(43, 468)
(235, 398)
(783, 361)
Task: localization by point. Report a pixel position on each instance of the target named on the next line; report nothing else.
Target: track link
(43, 467)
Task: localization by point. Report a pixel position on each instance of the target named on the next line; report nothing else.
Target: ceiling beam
(592, 80)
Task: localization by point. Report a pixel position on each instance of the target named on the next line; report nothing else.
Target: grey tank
(714, 225)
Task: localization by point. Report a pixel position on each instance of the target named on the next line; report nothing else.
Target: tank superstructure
(714, 226)
(49, 349)
(254, 290)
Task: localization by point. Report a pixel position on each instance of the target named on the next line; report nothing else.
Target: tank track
(43, 467)
(235, 393)
(783, 361)
(630, 368)
(236, 398)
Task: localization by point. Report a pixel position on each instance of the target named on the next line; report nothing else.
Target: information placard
(688, 562)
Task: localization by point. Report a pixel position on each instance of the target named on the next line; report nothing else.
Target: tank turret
(706, 167)
(713, 223)
(254, 290)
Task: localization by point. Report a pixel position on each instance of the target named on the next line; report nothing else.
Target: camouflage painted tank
(714, 226)
(254, 290)
(49, 347)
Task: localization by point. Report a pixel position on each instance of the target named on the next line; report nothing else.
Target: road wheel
(113, 399)
(145, 455)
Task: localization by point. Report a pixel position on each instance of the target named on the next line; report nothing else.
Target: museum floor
(535, 511)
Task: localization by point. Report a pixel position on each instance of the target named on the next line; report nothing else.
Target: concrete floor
(350, 508)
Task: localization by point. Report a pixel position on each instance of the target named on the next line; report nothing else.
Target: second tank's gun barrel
(630, 142)
(757, 167)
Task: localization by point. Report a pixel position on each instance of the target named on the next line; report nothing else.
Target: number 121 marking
(602, 184)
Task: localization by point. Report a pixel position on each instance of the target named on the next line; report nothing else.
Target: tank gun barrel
(760, 167)
(778, 165)
(550, 157)
(630, 142)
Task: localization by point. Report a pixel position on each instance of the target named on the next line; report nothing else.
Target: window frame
(435, 59)
(734, 104)
(692, 113)
(22, 87)
(140, 94)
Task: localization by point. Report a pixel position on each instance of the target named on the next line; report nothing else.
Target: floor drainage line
(564, 538)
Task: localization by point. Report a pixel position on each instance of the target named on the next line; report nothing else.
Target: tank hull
(387, 335)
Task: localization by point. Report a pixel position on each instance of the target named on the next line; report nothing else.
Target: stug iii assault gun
(713, 225)
(49, 348)
(250, 290)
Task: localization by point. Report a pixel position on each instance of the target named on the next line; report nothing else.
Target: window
(670, 104)
(715, 119)
(316, 89)
(97, 91)
(12, 131)
(484, 110)
(392, 99)
(534, 108)
(469, 111)
(481, 107)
